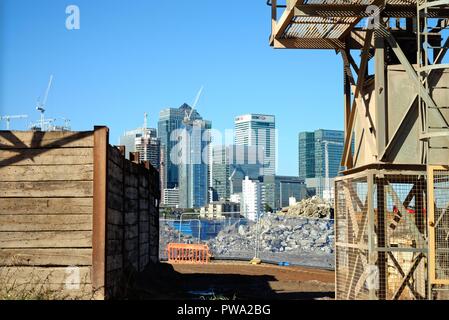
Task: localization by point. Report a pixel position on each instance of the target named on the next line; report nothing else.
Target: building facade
(170, 198)
(193, 163)
(171, 120)
(306, 155)
(320, 154)
(144, 141)
(289, 187)
(230, 165)
(260, 131)
(251, 201)
(221, 210)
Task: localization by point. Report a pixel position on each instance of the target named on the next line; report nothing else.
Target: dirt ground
(241, 281)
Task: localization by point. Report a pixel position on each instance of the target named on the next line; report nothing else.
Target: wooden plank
(115, 186)
(115, 201)
(46, 257)
(40, 189)
(131, 232)
(47, 239)
(42, 156)
(47, 173)
(114, 171)
(115, 156)
(115, 217)
(115, 262)
(115, 232)
(46, 206)
(45, 222)
(42, 276)
(131, 193)
(32, 139)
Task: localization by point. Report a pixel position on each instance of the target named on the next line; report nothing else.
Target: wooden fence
(76, 217)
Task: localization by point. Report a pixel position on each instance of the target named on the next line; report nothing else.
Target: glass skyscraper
(306, 147)
(170, 120)
(312, 153)
(193, 157)
(258, 130)
(230, 165)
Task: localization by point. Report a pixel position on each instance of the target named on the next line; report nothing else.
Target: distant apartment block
(170, 198)
(251, 202)
(221, 210)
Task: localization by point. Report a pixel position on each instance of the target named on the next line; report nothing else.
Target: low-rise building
(221, 210)
(170, 198)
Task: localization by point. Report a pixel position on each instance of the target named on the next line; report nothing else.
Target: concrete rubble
(299, 240)
(313, 207)
(277, 234)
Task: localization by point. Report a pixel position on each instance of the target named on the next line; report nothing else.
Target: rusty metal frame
(376, 246)
(431, 226)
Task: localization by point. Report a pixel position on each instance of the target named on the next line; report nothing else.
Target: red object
(182, 253)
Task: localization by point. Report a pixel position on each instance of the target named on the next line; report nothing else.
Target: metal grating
(381, 240)
(441, 221)
(324, 24)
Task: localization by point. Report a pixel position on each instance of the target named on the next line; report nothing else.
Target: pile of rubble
(277, 234)
(168, 234)
(313, 207)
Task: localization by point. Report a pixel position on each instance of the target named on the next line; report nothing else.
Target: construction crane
(41, 105)
(188, 114)
(9, 118)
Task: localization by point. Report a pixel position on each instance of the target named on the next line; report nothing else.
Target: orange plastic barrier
(188, 253)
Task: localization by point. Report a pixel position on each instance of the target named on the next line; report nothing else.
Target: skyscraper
(143, 140)
(306, 153)
(312, 153)
(230, 165)
(149, 149)
(320, 152)
(193, 163)
(170, 120)
(260, 131)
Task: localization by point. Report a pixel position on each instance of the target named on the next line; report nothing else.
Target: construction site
(81, 217)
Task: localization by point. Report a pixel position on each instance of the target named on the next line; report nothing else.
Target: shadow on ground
(163, 282)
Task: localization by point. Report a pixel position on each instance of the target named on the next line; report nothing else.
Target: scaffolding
(392, 229)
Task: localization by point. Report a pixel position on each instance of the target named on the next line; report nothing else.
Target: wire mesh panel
(439, 225)
(400, 227)
(381, 235)
(351, 212)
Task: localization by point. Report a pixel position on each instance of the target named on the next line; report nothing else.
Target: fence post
(101, 142)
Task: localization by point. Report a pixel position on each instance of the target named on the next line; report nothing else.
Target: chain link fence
(274, 238)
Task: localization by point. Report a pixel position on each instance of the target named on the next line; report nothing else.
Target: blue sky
(136, 56)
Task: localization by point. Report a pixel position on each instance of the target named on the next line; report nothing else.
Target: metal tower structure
(392, 229)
